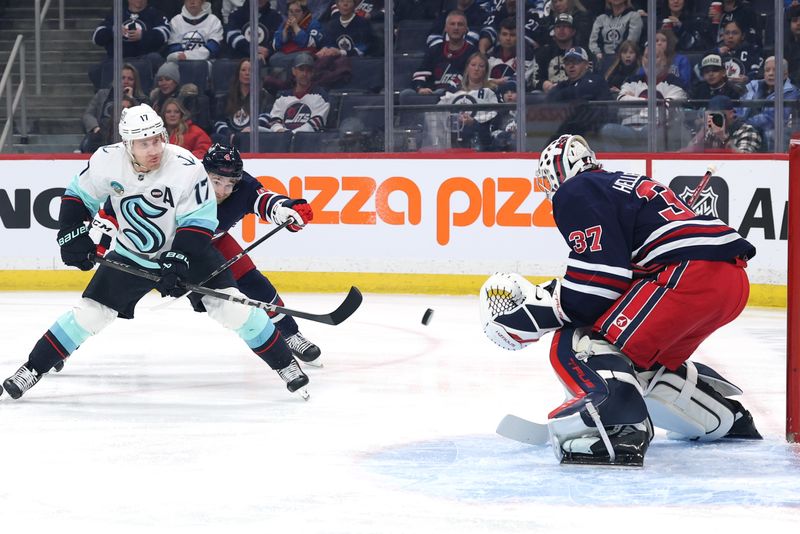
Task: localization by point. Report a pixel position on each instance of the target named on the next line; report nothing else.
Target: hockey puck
(426, 318)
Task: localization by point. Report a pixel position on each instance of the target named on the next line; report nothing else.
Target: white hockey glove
(296, 209)
(515, 313)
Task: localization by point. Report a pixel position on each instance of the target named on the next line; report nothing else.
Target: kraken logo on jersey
(192, 40)
(143, 234)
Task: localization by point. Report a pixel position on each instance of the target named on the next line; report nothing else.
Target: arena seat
(268, 142)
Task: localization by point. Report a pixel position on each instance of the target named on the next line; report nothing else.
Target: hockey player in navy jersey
(647, 281)
(167, 215)
(238, 193)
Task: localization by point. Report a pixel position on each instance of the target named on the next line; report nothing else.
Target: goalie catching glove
(515, 313)
(296, 209)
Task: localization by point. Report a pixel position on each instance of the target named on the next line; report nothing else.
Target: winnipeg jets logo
(192, 39)
(296, 115)
(345, 42)
(263, 33)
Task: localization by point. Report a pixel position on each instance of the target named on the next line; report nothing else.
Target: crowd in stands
(586, 61)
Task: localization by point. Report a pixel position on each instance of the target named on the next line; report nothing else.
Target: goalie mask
(515, 313)
(564, 158)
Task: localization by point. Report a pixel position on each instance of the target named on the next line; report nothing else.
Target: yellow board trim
(311, 282)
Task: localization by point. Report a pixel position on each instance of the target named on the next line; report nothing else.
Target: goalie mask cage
(793, 299)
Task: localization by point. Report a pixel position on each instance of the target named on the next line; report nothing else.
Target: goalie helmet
(223, 160)
(564, 158)
(515, 313)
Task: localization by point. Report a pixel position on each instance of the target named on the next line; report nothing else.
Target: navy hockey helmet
(223, 160)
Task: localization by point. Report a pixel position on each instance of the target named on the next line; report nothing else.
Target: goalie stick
(348, 306)
(702, 185)
(168, 302)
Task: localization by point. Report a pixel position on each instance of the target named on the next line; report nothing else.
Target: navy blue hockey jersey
(622, 225)
(248, 197)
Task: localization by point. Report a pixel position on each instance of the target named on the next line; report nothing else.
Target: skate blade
(624, 463)
(303, 393)
(314, 363)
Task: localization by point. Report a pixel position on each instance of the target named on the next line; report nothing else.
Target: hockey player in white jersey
(166, 216)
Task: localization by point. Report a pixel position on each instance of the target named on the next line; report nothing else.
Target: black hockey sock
(275, 351)
(46, 353)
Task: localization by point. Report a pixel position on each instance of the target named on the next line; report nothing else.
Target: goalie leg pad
(688, 407)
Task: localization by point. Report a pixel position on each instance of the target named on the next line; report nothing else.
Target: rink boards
(412, 224)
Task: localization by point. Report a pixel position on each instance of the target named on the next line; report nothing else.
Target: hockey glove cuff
(174, 266)
(297, 209)
(76, 247)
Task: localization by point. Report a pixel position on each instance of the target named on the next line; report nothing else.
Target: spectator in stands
(504, 126)
(320, 9)
(465, 128)
(182, 131)
(97, 119)
(742, 12)
(764, 118)
(475, 14)
(144, 31)
(299, 32)
(723, 131)
(347, 34)
(626, 65)
(237, 31)
(196, 33)
(445, 62)
(168, 85)
(791, 47)
(305, 107)
(678, 63)
(630, 132)
(537, 33)
(234, 117)
(550, 57)
(371, 10)
(691, 30)
(503, 57)
(581, 87)
(619, 23)
(715, 81)
(582, 19)
(742, 60)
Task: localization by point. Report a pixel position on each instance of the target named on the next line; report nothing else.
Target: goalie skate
(629, 442)
(296, 380)
(21, 381)
(304, 350)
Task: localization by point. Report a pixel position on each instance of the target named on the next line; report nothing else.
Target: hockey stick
(702, 185)
(168, 302)
(348, 306)
(522, 430)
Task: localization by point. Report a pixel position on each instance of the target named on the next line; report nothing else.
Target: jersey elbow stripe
(596, 279)
(670, 227)
(716, 241)
(591, 290)
(595, 267)
(691, 231)
(196, 229)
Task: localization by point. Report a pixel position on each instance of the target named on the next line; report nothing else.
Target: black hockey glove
(76, 246)
(174, 266)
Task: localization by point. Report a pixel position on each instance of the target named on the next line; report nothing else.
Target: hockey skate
(296, 380)
(304, 350)
(629, 443)
(21, 381)
(743, 427)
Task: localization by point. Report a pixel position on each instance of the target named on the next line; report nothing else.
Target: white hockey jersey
(199, 37)
(150, 207)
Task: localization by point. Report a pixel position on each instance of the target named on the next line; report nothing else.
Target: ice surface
(169, 424)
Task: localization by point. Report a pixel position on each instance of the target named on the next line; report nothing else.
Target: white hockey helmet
(140, 122)
(564, 158)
